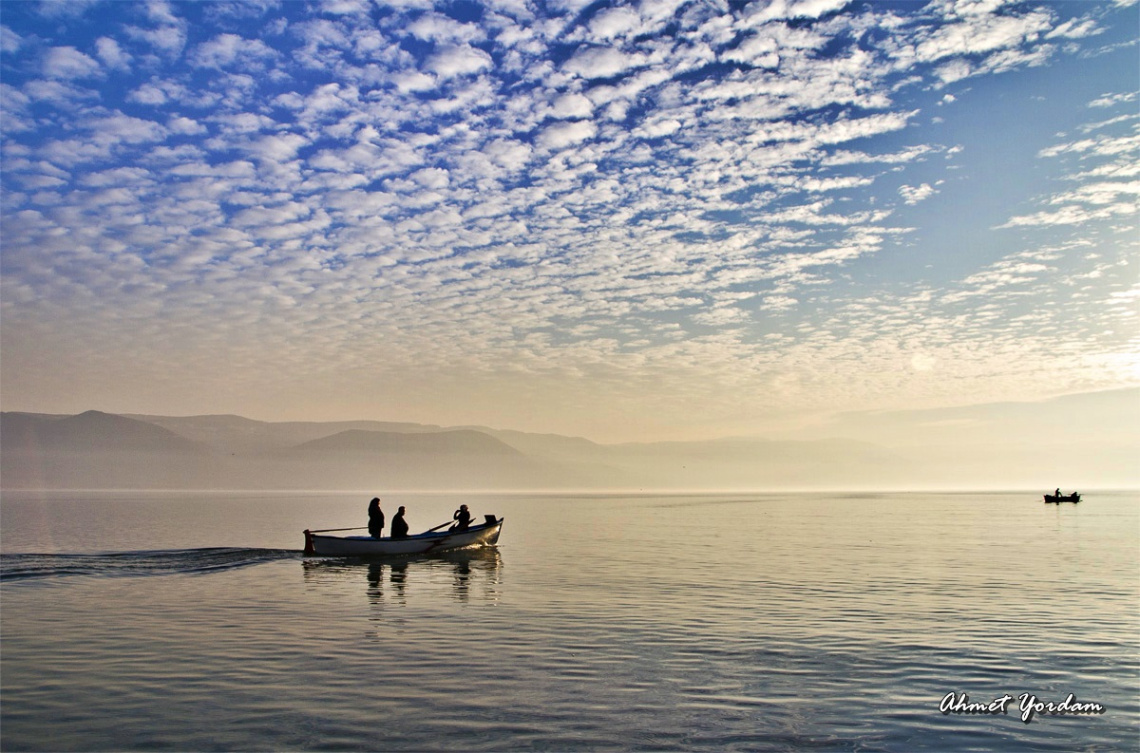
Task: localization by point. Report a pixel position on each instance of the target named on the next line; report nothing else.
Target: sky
(657, 221)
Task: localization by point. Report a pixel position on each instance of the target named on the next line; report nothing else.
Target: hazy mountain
(98, 451)
(235, 434)
(1089, 439)
(453, 442)
(89, 431)
(450, 459)
(1045, 444)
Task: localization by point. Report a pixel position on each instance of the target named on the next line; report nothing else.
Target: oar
(331, 530)
(441, 525)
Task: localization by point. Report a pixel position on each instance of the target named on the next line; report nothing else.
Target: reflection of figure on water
(375, 582)
(375, 519)
(397, 577)
(473, 574)
(462, 579)
(462, 519)
(399, 525)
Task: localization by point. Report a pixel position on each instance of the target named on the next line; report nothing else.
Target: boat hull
(1054, 499)
(424, 543)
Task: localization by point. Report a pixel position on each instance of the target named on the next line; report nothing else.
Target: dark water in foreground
(697, 623)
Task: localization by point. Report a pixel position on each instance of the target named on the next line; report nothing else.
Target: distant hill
(235, 434)
(450, 443)
(973, 447)
(91, 431)
(99, 450)
(95, 450)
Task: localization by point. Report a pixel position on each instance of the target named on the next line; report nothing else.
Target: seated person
(399, 525)
(462, 518)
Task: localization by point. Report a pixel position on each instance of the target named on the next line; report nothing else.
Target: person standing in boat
(399, 525)
(375, 519)
(462, 519)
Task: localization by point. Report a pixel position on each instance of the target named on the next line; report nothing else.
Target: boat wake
(141, 563)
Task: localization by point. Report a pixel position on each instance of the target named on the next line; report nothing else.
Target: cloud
(65, 8)
(573, 105)
(670, 202)
(601, 62)
(1111, 100)
(69, 63)
(611, 23)
(439, 28)
(413, 81)
(169, 38)
(148, 94)
(567, 133)
(120, 129)
(1107, 189)
(346, 7)
(982, 33)
(460, 60)
(915, 194)
(760, 51)
(277, 148)
(791, 9)
(227, 50)
(185, 126)
(112, 55)
(10, 41)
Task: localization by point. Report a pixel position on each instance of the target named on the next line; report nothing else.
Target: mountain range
(96, 450)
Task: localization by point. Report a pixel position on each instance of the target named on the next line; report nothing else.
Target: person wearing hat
(462, 518)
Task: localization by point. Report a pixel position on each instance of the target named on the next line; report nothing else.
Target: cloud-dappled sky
(661, 220)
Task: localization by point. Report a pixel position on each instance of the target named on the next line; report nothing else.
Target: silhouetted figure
(375, 519)
(1058, 492)
(462, 518)
(399, 525)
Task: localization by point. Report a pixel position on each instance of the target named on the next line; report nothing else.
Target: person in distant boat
(375, 519)
(399, 525)
(1058, 492)
(462, 519)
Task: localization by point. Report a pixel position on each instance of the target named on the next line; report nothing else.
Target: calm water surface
(695, 623)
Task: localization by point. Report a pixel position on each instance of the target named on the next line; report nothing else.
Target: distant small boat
(429, 542)
(1058, 498)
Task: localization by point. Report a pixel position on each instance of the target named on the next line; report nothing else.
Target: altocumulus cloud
(677, 214)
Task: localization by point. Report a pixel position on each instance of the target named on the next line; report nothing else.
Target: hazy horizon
(1007, 446)
(665, 221)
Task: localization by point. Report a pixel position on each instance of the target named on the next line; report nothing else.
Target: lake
(760, 622)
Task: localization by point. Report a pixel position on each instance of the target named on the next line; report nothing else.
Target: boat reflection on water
(463, 573)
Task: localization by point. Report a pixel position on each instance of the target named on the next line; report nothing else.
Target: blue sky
(665, 220)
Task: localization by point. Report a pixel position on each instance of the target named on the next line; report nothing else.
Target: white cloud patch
(226, 50)
(112, 55)
(564, 134)
(573, 105)
(915, 194)
(69, 63)
(601, 62)
(460, 60)
(10, 41)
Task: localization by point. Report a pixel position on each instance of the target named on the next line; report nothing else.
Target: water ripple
(15, 567)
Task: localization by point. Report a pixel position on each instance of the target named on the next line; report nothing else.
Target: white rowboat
(486, 534)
